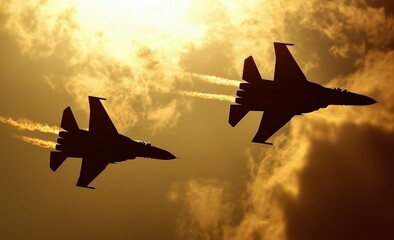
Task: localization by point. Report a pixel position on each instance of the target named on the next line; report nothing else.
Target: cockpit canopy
(340, 90)
(145, 143)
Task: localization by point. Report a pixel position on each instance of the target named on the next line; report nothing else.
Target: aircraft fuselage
(268, 95)
(118, 147)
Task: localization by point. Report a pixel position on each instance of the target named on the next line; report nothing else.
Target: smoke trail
(26, 124)
(219, 97)
(38, 142)
(217, 80)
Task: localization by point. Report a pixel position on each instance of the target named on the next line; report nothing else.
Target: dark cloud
(388, 6)
(345, 188)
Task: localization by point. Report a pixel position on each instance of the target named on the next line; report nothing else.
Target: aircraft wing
(99, 121)
(270, 123)
(90, 169)
(286, 68)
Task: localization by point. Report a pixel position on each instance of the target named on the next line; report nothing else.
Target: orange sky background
(170, 70)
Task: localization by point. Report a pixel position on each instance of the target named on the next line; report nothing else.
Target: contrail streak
(38, 142)
(217, 80)
(26, 124)
(219, 97)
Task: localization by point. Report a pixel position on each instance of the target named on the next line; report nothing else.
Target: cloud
(326, 169)
(373, 78)
(119, 54)
(134, 65)
(353, 27)
(328, 174)
(346, 185)
(40, 28)
(166, 117)
(206, 208)
(273, 173)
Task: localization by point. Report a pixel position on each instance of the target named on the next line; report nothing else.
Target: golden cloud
(119, 54)
(133, 61)
(205, 210)
(297, 180)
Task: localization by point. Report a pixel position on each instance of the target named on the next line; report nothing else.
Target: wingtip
(88, 187)
(256, 140)
(288, 44)
(232, 124)
(266, 143)
(100, 98)
(83, 186)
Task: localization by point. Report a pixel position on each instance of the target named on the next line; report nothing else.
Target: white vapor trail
(26, 124)
(219, 97)
(217, 80)
(38, 142)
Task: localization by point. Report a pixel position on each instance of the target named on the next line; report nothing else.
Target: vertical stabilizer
(68, 121)
(250, 73)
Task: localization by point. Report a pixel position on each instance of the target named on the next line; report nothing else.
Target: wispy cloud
(26, 124)
(287, 178)
(38, 142)
(211, 96)
(206, 208)
(121, 54)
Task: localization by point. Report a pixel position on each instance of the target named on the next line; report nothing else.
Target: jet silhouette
(99, 146)
(289, 94)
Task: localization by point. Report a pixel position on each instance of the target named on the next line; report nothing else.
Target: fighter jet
(99, 146)
(289, 94)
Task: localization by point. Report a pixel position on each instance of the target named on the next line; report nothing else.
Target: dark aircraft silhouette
(289, 94)
(99, 146)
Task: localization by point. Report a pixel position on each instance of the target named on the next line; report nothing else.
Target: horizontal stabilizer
(237, 112)
(251, 73)
(68, 121)
(56, 159)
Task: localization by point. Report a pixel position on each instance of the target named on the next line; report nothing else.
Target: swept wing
(90, 169)
(99, 123)
(270, 123)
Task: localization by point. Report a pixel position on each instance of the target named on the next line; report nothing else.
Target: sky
(169, 71)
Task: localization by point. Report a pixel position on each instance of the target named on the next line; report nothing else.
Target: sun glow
(119, 26)
(127, 51)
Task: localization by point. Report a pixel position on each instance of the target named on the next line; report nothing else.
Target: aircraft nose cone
(368, 101)
(162, 154)
(371, 101)
(358, 99)
(169, 156)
